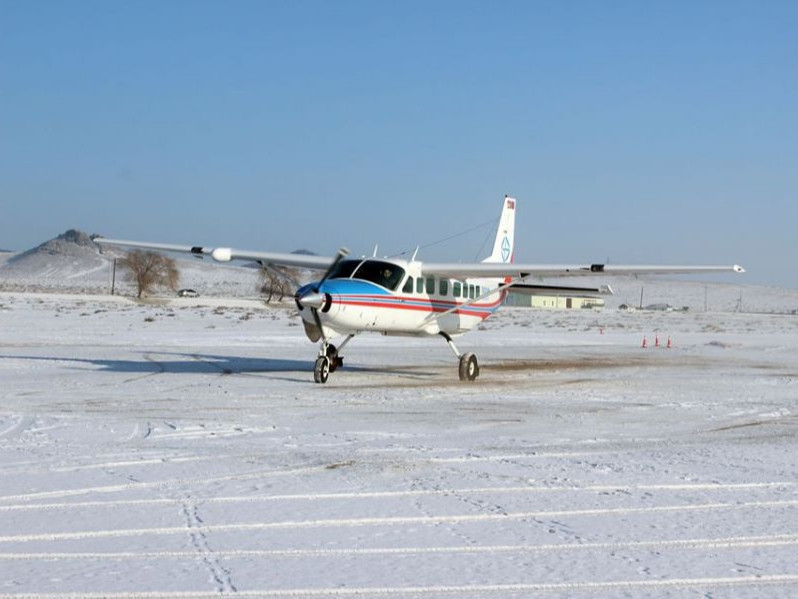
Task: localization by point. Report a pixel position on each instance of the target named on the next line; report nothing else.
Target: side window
(479, 290)
(419, 285)
(444, 287)
(408, 288)
(430, 285)
(457, 289)
(471, 292)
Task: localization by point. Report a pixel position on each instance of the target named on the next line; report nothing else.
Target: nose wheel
(328, 361)
(321, 371)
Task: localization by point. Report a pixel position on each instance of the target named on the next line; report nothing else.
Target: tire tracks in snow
(22, 424)
(176, 482)
(396, 521)
(481, 589)
(758, 541)
(344, 496)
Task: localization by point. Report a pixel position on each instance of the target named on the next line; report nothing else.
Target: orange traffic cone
(669, 344)
(645, 342)
(656, 341)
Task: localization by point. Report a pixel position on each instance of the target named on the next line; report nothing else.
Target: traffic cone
(656, 341)
(669, 344)
(645, 342)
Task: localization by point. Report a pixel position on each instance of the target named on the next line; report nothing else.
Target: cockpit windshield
(344, 269)
(384, 274)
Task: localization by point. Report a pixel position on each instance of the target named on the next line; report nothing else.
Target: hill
(72, 262)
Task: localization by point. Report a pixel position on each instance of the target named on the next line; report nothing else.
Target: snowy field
(182, 450)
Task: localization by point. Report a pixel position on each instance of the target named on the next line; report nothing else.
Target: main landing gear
(328, 361)
(468, 367)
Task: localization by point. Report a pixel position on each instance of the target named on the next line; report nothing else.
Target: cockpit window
(384, 274)
(344, 269)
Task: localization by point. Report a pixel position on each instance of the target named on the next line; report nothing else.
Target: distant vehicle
(187, 293)
(659, 307)
(411, 298)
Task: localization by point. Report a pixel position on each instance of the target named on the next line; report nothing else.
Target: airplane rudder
(503, 246)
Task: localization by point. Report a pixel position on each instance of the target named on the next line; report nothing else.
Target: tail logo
(505, 249)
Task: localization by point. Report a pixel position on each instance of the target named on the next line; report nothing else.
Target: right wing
(557, 290)
(526, 271)
(227, 254)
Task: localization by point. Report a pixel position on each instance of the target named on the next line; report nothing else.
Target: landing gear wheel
(321, 372)
(336, 361)
(469, 369)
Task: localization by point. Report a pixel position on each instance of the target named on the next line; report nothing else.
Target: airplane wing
(227, 254)
(527, 271)
(557, 290)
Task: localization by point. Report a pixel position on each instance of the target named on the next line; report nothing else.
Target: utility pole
(113, 276)
(641, 298)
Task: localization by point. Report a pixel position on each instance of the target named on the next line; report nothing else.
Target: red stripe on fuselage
(430, 308)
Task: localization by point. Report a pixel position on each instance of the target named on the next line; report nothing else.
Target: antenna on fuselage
(376, 248)
(413, 259)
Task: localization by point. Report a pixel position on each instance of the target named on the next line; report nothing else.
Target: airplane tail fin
(503, 247)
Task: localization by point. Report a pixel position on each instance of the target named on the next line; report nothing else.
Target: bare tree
(277, 280)
(150, 269)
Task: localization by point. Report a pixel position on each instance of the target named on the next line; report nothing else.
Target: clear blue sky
(654, 131)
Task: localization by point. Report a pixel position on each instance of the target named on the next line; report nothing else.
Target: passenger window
(471, 292)
(430, 286)
(419, 285)
(408, 288)
(479, 290)
(457, 289)
(444, 287)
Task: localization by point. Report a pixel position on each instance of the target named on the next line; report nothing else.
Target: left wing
(525, 271)
(228, 254)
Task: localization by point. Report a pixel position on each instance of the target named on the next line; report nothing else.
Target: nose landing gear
(329, 360)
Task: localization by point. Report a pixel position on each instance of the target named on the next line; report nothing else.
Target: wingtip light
(222, 254)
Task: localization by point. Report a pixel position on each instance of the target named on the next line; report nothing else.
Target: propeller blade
(342, 253)
(317, 320)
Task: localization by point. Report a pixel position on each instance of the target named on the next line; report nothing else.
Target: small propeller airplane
(413, 298)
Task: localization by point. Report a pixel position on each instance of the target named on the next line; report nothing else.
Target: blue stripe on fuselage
(347, 287)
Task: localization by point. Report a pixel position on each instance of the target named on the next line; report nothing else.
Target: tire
(469, 368)
(332, 355)
(321, 371)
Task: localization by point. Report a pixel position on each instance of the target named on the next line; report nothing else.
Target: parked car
(187, 293)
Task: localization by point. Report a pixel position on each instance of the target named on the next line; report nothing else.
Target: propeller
(315, 300)
(340, 255)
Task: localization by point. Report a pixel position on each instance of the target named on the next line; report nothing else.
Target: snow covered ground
(182, 450)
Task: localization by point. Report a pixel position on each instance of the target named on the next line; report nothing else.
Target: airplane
(398, 297)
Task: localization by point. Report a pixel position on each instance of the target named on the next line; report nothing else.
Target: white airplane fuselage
(393, 297)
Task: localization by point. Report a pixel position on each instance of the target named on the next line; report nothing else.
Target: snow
(179, 448)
